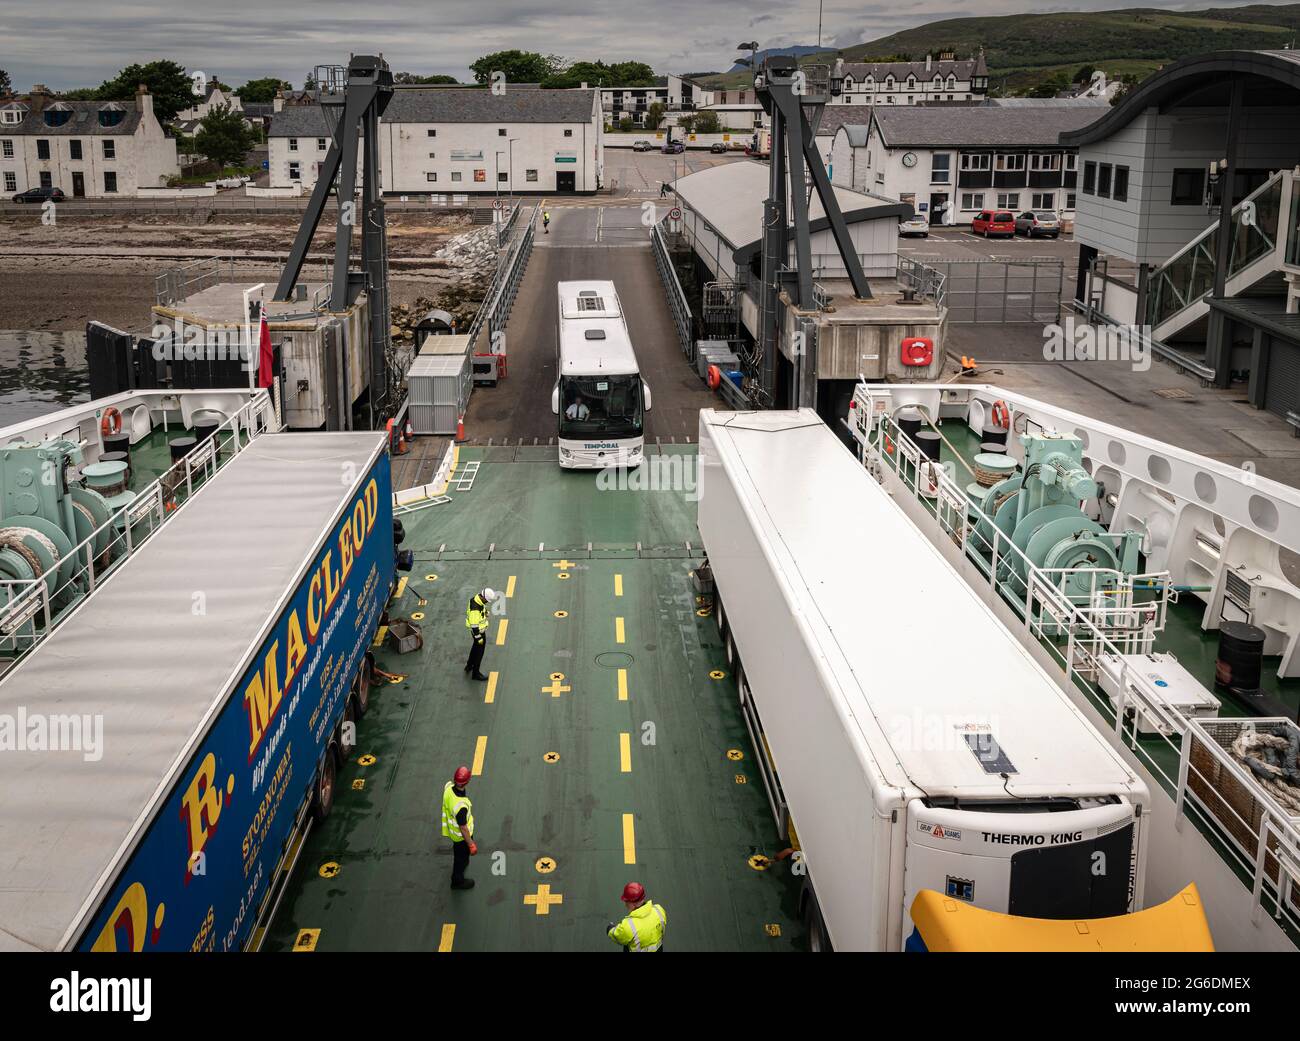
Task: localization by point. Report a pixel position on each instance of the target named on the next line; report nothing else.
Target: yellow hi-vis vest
(452, 804)
(476, 613)
(643, 929)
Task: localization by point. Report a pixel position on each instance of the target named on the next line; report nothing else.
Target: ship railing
(115, 541)
(1190, 758)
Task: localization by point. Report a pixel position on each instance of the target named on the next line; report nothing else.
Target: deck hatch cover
(989, 753)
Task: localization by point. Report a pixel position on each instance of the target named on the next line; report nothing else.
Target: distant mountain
(1024, 51)
(798, 51)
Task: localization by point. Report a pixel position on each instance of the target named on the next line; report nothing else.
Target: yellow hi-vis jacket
(452, 804)
(476, 613)
(643, 929)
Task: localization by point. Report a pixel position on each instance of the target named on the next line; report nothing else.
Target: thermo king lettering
(1055, 839)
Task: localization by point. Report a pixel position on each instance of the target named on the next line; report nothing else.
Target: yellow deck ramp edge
(948, 925)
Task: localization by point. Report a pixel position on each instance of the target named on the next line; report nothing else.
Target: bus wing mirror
(645, 391)
(555, 400)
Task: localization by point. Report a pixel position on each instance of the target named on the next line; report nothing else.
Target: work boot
(464, 883)
(479, 676)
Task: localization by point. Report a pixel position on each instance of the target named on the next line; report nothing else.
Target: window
(1043, 200)
(11, 181)
(568, 133)
(1120, 187)
(1008, 200)
(1070, 200)
(1014, 161)
(74, 149)
(501, 132)
(976, 160)
(320, 144)
(430, 176)
(110, 182)
(295, 173)
(502, 177)
(455, 175)
(1103, 180)
(7, 147)
(433, 155)
(1188, 188)
(530, 175)
(42, 149)
(432, 133)
(1045, 162)
(12, 116)
(1072, 161)
(110, 149)
(47, 179)
(940, 168)
(293, 144)
(1089, 178)
(972, 200)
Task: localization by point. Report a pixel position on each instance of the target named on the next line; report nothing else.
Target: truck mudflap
(1054, 863)
(200, 876)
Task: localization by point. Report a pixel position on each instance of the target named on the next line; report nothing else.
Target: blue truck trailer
(212, 686)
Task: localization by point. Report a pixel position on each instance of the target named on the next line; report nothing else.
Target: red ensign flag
(264, 354)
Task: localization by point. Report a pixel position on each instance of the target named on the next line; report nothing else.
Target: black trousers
(459, 860)
(476, 650)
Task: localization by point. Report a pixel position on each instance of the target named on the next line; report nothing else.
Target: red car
(994, 222)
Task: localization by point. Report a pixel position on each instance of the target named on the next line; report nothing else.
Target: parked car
(642, 146)
(914, 225)
(40, 195)
(1039, 222)
(994, 222)
(718, 148)
(673, 148)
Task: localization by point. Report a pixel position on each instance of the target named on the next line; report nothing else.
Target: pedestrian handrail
(678, 306)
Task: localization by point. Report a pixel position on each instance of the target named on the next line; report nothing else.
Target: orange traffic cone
(460, 430)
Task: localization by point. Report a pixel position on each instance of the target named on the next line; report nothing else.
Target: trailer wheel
(324, 798)
(718, 615)
(819, 941)
(361, 687)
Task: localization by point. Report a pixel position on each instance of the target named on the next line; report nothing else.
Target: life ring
(714, 378)
(1000, 415)
(110, 425)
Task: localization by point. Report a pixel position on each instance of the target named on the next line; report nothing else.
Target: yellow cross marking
(306, 940)
(491, 694)
(480, 750)
(618, 585)
(622, 684)
(629, 839)
(510, 587)
(501, 632)
(625, 753)
(618, 630)
(772, 929)
(556, 689)
(329, 870)
(545, 865)
(563, 565)
(551, 757)
(735, 754)
(447, 939)
(358, 784)
(543, 899)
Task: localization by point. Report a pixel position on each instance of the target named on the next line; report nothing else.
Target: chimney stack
(143, 100)
(277, 103)
(929, 62)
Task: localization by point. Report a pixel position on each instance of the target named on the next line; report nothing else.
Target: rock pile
(472, 250)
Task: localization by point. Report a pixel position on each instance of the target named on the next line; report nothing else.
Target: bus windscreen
(608, 406)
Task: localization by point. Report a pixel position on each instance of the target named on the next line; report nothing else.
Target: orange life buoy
(111, 423)
(1001, 415)
(714, 377)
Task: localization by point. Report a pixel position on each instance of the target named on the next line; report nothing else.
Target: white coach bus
(599, 396)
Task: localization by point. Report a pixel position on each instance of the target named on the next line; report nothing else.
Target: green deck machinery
(1038, 510)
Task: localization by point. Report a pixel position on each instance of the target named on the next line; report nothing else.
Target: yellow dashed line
(480, 750)
(618, 630)
(622, 684)
(629, 840)
(491, 694)
(501, 632)
(625, 753)
(448, 938)
(618, 585)
(510, 587)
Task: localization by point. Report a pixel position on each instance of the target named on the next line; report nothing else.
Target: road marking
(564, 565)
(618, 630)
(556, 688)
(480, 750)
(545, 865)
(625, 753)
(329, 869)
(510, 587)
(622, 684)
(306, 940)
(543, 899)
(618, 585)
(401, 586)
(491, 694)
(629, 840)
(501, 632)
(448, 938)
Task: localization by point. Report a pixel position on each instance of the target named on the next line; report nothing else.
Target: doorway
(565, 180)
(938, 207)
(78, 185)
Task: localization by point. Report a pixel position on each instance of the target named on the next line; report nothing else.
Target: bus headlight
(565, 452)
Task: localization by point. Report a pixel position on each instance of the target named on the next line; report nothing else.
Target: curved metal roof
(1186, 75)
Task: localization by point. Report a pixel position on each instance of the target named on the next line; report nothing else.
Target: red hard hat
(461, 776)
(633, 893)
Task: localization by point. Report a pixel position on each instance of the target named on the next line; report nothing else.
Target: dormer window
(12, 114)
(57, 114)
(111, 115)
(952, 81)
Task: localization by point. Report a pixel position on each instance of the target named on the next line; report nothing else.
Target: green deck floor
(375, 875)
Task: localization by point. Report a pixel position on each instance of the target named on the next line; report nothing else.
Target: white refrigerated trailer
(906, 740)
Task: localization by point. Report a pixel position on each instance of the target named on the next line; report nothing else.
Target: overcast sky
(77, 43)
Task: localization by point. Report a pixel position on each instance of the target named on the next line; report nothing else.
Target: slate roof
(980, 126)
(962, 68)
(84, 121)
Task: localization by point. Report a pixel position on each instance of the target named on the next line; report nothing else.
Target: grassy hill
(1025, 50)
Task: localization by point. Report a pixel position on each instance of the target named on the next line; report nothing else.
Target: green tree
(224, 137)
(687, 123)
(262, 91)
(654, 115)
(518, 67)
(411, 78)
(626, 125)
(592, 73)
(6, 84)
(632, 74)
(707, 123)
(167, 81)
